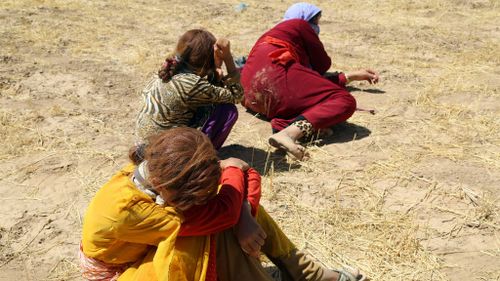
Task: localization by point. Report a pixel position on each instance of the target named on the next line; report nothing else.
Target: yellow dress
(123, 225)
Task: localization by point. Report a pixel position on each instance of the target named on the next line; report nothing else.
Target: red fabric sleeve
(342, 79)
(253, 182)
(220, 213)
(318, 58)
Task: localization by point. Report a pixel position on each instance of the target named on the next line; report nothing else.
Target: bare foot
(346, 274)
(283, 141)
(350, 273)
(330, 275)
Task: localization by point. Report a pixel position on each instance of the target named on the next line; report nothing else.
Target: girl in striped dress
(190, 89)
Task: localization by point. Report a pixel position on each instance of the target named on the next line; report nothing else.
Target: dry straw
(398, 201)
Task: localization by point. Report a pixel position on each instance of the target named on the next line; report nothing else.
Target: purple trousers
(219, 124)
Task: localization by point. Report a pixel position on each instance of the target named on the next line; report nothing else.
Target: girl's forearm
(229, 62)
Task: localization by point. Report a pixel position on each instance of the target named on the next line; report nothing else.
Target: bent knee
(231, 111)
(349, 103)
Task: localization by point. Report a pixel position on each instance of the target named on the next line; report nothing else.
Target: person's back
(191, 91)
(305, 42)
(186, 100)
(113, 221)
(124, 224)
(284, 79)
(279, 49)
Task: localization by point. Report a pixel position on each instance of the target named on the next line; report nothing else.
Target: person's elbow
(233, 218)
(327, 63)
(231, 207)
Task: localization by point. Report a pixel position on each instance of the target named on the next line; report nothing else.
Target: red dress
(283, 79)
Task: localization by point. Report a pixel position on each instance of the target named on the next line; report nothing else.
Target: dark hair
(315, 18)
(184, 160)
(194, 53)
(136, 153)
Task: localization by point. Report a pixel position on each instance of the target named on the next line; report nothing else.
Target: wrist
(348, 78)
(246, 207)
(228, 58)
(246, 212)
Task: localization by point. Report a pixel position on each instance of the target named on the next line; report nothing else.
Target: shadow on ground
(261, 160)
(370, 91)
(344, 132)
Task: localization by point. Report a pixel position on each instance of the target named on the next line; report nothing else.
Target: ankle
(293, 132)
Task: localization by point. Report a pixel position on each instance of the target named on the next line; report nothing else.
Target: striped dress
(186, 100)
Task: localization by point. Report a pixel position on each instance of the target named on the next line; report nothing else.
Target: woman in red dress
(284, 79)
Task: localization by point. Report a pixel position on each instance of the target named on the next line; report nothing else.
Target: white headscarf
(304, 11)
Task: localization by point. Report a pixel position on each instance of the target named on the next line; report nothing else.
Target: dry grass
(403, 203)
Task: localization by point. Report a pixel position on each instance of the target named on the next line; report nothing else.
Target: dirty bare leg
(286, 139)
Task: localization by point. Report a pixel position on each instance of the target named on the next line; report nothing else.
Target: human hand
(219, 73)
(223, 47)
(223, 52)
(363, 74)
(249, 233)
(218, 56)
(235, 162)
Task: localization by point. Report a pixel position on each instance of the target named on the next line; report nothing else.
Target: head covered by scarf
(303, 11)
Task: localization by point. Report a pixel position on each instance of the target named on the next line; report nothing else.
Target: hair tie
(168, 68)
(170, 63)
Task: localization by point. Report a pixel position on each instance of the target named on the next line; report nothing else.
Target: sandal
(350, 274)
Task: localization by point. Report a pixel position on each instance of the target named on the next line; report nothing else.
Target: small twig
(371, 111)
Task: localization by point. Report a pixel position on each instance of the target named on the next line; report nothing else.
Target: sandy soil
(410, 193)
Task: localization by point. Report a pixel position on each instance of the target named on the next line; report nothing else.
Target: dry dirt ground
(410, 193)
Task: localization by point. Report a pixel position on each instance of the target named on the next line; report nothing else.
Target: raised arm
(205, 93)
(231, 90)
(220, 213)
(147, 223)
